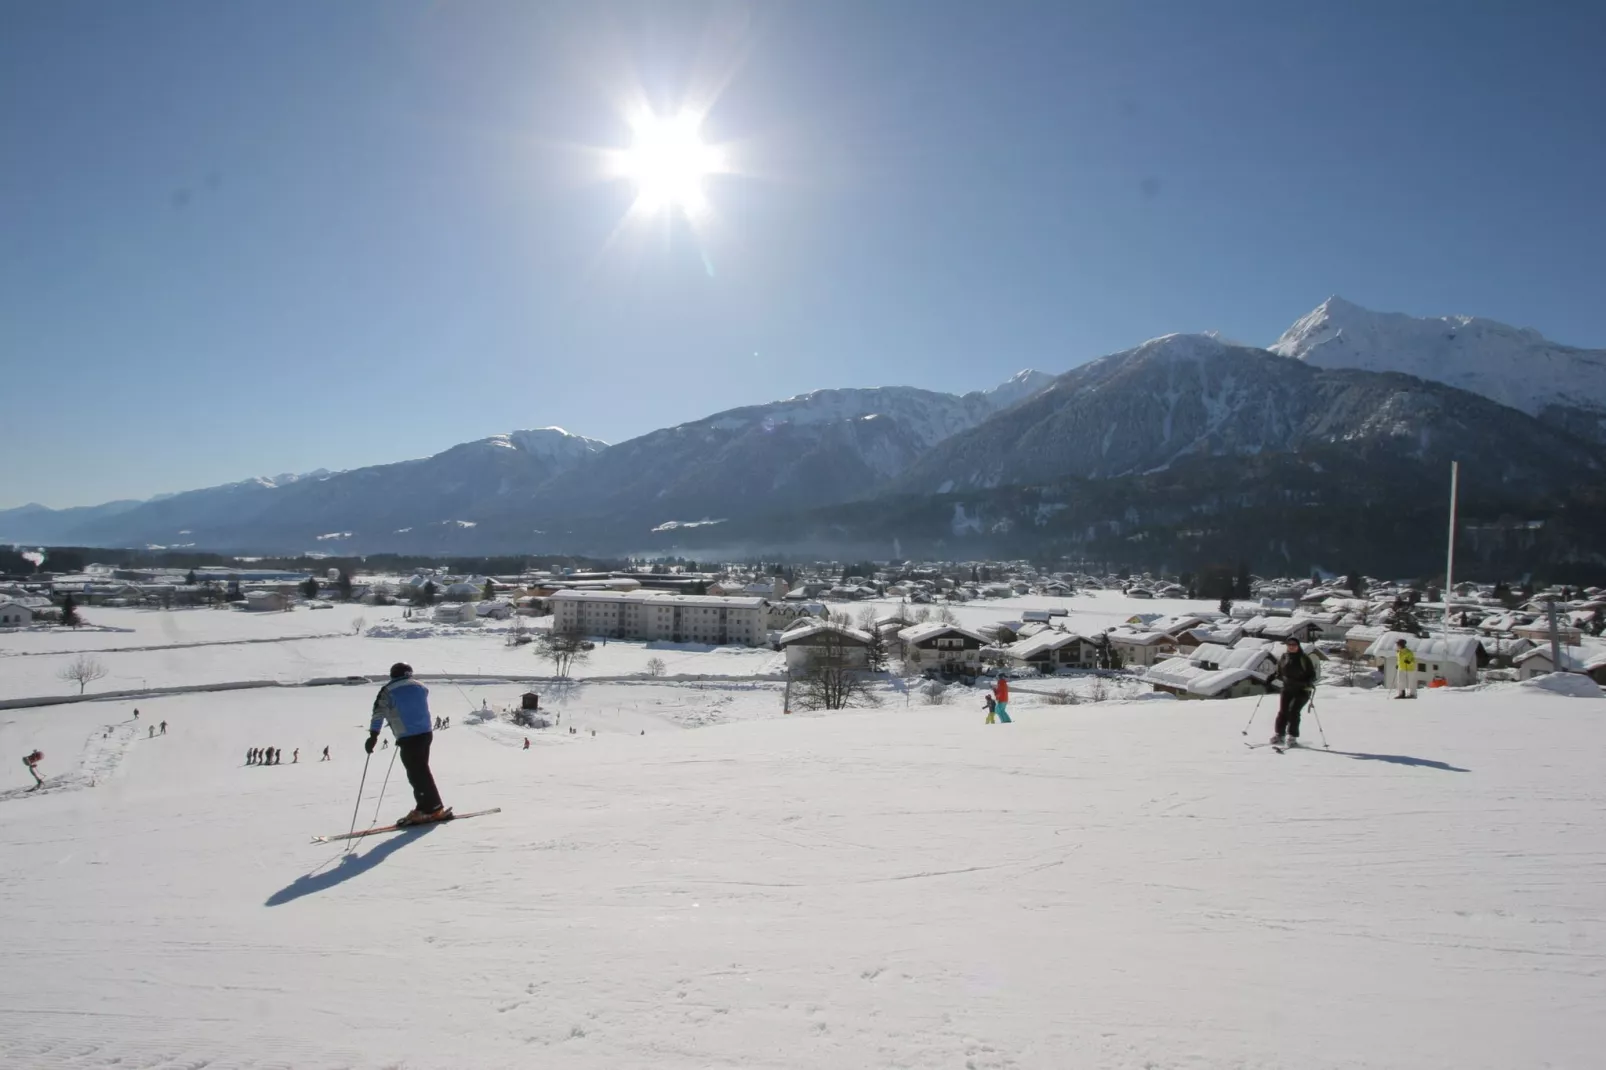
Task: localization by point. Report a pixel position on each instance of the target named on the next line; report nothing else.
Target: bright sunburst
(668, 163)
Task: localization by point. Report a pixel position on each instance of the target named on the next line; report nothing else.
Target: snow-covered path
(1120, 886)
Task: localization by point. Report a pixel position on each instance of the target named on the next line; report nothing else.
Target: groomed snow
(1121, 886)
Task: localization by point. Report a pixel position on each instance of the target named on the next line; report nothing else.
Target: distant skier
(250, 756)
(295, 756)
(32, 762)
(325, 757)
(277, 755)
(151, 734)
(404, 703)
(163, 732)
(1001, 699)
(1298, 674)
(136, 714)
(992, 708)
(1404, 670)
(526, 742)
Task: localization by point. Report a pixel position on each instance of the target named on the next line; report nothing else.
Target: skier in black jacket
(1298, 673)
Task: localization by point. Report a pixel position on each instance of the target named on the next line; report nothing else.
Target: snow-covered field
(1120, 885)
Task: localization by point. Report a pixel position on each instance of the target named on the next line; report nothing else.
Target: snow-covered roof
(1184, 675)
(1283, 627)
(1136, 638)
(1461, 649)
(1175, 625)
(1368, 632)
(1569, 663)
(919, 633)
(1218, 635)
(810, 629)
(1041, 643)
(656, 597)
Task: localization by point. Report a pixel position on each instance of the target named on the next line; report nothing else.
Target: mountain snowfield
(1120, 885)
(1515, 366)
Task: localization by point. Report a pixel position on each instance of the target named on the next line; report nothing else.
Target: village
(952, 625)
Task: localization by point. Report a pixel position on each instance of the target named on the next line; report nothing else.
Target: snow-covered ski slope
(1122, 886)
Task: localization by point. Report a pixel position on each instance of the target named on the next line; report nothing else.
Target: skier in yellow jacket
(1404, 670)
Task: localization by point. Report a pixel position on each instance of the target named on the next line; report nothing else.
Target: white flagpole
(1449, 566)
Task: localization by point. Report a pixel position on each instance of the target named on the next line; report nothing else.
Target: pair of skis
(399, 827)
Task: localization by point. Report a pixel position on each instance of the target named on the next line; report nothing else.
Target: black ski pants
(415, 759)
(1289, 708)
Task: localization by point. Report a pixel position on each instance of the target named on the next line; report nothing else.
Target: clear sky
(256, 237)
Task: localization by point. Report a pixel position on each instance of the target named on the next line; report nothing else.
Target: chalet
(1214, 672)
(493, 610)
(1050, 651)
(1176, 625)
(1141, 647)
(15, 614)
(948, 648)
(1456, 659)
(807, 641)
(1539, 632)
(1359, 639)
(1536, 662)
(1282, 629)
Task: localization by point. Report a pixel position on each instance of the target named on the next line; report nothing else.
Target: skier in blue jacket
(404, 702)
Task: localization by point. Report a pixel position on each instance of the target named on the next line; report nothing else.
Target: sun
(668, 162)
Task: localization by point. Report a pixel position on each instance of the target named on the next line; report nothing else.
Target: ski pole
(1252, 716)
(1318, 717)
(360, 784)
(385, 784)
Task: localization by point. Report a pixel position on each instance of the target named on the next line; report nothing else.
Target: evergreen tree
(426, 593)
(69, 612)
(309, 587)
(490, 591)
(232, 594)
(190, 579)
(1402, 618)
(344, 586)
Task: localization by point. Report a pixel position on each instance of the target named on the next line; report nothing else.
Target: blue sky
(251, 238)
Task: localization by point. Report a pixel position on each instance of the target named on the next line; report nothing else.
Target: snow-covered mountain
(1515, 366)
(815, 448)
(1190, 395)
(433, 496)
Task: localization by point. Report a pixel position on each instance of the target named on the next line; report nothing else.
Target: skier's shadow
(1396, 759)
(349, 866)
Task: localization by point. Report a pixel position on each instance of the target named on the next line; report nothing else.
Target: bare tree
(82, 670)
(935, 692)
(947, 616)
(865, 621)
(922, 614)
(655, 667)
(519, 633)
(358, 624)
(839, 616)
(1061, 697)
(564, 647)
(831, 681)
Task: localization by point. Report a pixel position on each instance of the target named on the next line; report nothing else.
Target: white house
(455, 613)
(806, 641)
(266, 601)
(947, 648)
(1455, 658)
(1142, 648)
(15, 614)
(495, 610)
(1050, 651)
(1536, 662)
